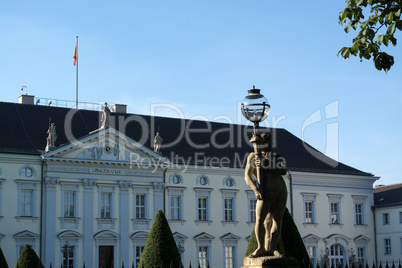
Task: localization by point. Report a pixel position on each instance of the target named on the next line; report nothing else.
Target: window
(26, 203)
(139, 241)
(229, 182)
(138, 254)
(203, 205)
(229, 205)
(229, 242)
(334, 208)
(140, 206)
(69, 204)
(68, 256)
(27, 171)
(311, 250)
(309, 207)
(203, 257)
(202, 208)
(175, 207)
(400, 216)
(105, 205)
(361, 256)
(252, 203)
(359, 203)
(334, 212)
(385, 218)
(228, 209)
(23, 238)
(229, 258)
(336, 256)
(387, 246)
(202, 180)
(203, 246)
(26, 207)
(176, 179)
(175, 203)
(252, 206)
(311, 242)
(359, 213)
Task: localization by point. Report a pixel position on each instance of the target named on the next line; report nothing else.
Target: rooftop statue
(51, 138)
(105, 116)
(157, 143)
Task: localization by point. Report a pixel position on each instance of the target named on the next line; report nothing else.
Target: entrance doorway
(106, 254)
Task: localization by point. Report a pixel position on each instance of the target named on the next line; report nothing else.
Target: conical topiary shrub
(160, 247)
(28, 259)
(3, 262)
(292, 242)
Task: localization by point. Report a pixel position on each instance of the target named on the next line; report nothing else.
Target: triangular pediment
(361, 239)
(26, 234)
(106, 144)
(178, 236)
(230, 236)
(311, 238)
(204, 236)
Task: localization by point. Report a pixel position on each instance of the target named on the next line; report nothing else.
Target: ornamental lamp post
(255, 108)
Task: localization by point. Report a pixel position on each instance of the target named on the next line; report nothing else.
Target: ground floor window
(361, 256)
(68, 256)
(138, 254)
(203, 256)
(229, 257)
(336, 257)
(311, 250)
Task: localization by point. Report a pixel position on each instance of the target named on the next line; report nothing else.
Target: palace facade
(92, 197)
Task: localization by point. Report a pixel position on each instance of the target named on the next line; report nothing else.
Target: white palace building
(92, 197)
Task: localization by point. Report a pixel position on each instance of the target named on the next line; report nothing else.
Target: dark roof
(388, 195)
(23, 129)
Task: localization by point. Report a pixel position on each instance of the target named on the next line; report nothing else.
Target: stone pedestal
(270, 262)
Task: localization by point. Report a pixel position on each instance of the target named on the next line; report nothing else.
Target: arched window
(336, 256)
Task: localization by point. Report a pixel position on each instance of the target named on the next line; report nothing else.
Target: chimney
(26, 99)
(119, 108)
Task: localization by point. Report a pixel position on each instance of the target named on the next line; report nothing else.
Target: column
(49, 226)
(124, 223)
(88, 219)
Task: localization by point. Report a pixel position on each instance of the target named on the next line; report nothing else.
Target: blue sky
(201, 57)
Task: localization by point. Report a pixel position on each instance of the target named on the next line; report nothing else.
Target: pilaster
(49, 227)
(158, 196)
(89, 185)
(124, 221)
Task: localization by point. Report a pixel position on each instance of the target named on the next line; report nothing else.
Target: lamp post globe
(255, 107)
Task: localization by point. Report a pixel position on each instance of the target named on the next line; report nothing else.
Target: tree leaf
(347, 27)
(380, 39)
(391, 29)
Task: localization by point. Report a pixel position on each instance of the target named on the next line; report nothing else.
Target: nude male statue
(157, 142)
(271, 194)
(105, 116)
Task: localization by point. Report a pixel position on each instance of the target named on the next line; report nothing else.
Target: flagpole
(76, 78)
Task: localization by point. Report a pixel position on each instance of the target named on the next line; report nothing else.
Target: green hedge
(160, 246)
(3, 262)
(28, 259)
